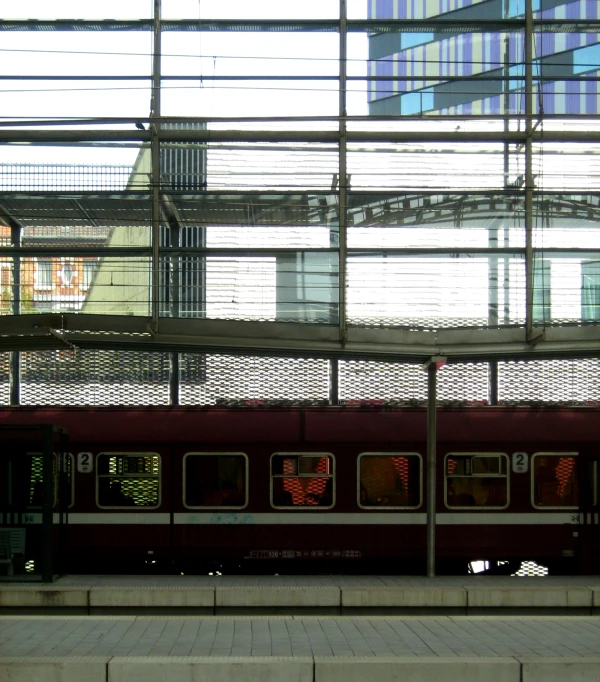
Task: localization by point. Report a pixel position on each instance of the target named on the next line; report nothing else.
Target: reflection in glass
(128, 480)
(215, 480)
(476, 481)
(390, 480)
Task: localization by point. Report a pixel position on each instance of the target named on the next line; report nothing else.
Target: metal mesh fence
(231, 380)
(65, 177)
(531, 569)
(118, 377)
(94, 377)
(569, 382)
(364, 382)
(464, 383)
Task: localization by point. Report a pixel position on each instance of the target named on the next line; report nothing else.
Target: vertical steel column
(14, 372)
(155, 151)
(493, 382)
(493, 317)
(529, 260)
(431, 366)
(48, 502)
(343, 172)
(334, 382)
(175, 306)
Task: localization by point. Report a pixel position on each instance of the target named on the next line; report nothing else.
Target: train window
(36, 477)
(302, 480)
(128, 479)
(476, 480)
(215, 479)
(554, 480)
(389, 480)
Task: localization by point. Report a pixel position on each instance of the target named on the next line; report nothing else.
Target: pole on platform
(155, 156)
(431, 366)
(14, 372)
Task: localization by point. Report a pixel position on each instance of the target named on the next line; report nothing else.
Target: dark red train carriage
(324, 488)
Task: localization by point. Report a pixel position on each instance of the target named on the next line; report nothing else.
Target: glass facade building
(468, 70)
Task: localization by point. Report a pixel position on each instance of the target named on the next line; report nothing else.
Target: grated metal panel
(101, 377)
(364, 382)
(530, 569)
(94, 377)
(19, 177)
(563, 382)
(467, 382)
(4, 378)
(231, 380)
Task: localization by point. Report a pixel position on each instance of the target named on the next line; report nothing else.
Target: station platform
(317, 595)
(300, 648)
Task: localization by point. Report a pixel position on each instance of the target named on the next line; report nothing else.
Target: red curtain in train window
(387, 480)
(306, 490)
(555, 481)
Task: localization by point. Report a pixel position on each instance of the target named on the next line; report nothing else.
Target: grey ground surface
(427, 636)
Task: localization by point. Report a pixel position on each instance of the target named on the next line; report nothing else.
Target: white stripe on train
(225, 518)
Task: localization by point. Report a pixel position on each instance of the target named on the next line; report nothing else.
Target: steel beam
(308, 136)
(14, 371)
(432, 366)
(449, 26)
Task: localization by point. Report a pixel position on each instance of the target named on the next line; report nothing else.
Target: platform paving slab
(541, 596)
(281, 594)
(404, 597)
(145, 596)
(299, 649)
(296, 596)
(53, 669)
(204, 669)
(561, 670)
(421, 670)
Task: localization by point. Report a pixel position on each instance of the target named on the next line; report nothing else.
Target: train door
(589, 516)
(30, 472)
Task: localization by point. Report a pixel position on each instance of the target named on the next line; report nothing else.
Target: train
(315, 489)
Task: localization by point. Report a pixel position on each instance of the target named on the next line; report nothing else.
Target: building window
(66, 274)
(542, 301)
(389, 480)
(89, 267)
(554, 480)
(215, 479)
(43, 277)
(474, 480)
(302, 480)
(590, 291)
(128, 479)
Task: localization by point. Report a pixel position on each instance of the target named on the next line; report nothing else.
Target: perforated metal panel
(569, 382)
(4, 378)
(531, 569)
(464, 383)
(381, 382)
(406, 384)
(94, 377)
(231, 380)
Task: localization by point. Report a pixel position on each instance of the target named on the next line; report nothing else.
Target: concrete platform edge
(296, 669)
